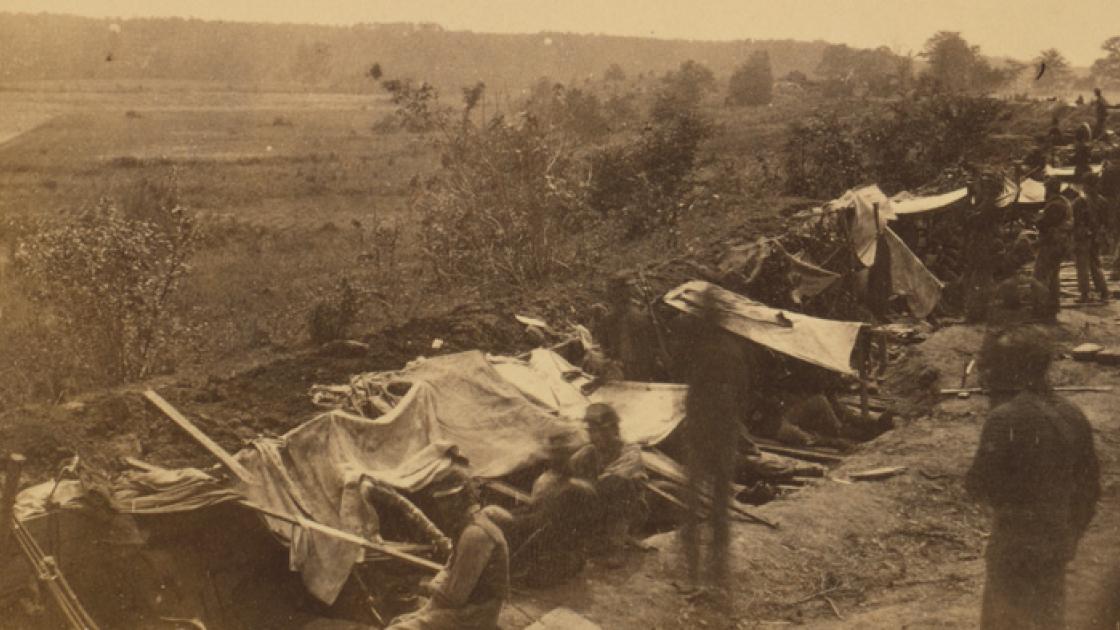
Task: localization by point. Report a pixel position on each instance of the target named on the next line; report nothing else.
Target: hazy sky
(1017, 28)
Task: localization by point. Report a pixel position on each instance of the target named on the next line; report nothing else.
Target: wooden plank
(877, 473)
(1061, 388)
(217, 451)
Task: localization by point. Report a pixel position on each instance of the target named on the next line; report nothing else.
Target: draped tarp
(905, 204)
(910, 278)
(807, 279)
(496, 411)
(867, 203)
(823, 342)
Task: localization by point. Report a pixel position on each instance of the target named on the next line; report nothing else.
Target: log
(1060, 388)
(705, 503)
(808, 455)
(217, 451)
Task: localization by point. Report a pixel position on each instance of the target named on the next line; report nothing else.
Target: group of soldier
(1081, 219)
(587, 501)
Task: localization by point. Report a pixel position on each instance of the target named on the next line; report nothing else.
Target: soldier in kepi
(616, 470)
(1037, 469)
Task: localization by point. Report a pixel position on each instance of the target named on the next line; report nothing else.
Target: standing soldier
(718, 397)
(1082, 151)
(1037, 468)
(1088, 240)
(1053, 243)
(1100, 108)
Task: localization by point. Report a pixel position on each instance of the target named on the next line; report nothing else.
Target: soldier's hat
(600, 416)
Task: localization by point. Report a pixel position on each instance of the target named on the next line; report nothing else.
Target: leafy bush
(904, 146)
(682, 89)
(570, 110)
(496, 208)
(752, 83)
(418, 107)
(822, 156)
(918, 139)
(644, 182)
(106, 278)
(332, 315)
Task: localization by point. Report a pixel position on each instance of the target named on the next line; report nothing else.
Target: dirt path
(905, 553)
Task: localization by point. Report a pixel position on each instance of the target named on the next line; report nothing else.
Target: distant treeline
(57, 47)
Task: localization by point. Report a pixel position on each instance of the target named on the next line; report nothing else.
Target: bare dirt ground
(906, 552)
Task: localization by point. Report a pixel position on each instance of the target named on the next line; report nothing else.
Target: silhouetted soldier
(1082, 151)
(1053, 244)
(1100, 108)
(1037, 468)
(718, 396)
(1089, 239)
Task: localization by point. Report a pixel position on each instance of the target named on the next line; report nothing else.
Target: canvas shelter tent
(868, 213)
(821, 342)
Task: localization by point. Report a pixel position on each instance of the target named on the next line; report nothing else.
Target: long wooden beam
(1060, 388)
(345, 536)
(216, 450)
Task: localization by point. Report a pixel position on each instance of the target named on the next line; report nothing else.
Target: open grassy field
(287, 187)
(294, 192)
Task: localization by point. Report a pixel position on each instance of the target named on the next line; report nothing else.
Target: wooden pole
(345, 536)
(864, 395)
(13, 470)
(217, 451)
(1060, 388)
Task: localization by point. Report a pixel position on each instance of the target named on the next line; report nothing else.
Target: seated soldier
(615, 468)
(470, 590)
(548, 537)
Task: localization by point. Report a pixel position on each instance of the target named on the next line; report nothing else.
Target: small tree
(1056, 71)
(417, 104)
(108, 275)
(683, 88)
(752, 83)
(615, 73)
(645, 182)
(1107, 68)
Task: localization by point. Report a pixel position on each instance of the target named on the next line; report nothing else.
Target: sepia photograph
(559, 315)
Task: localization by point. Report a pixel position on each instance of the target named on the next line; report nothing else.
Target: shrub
(332, 315)
(752, 83)
(822, 156)
(644, 182)
(497, 207)
(107, 275)
(903, 147)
